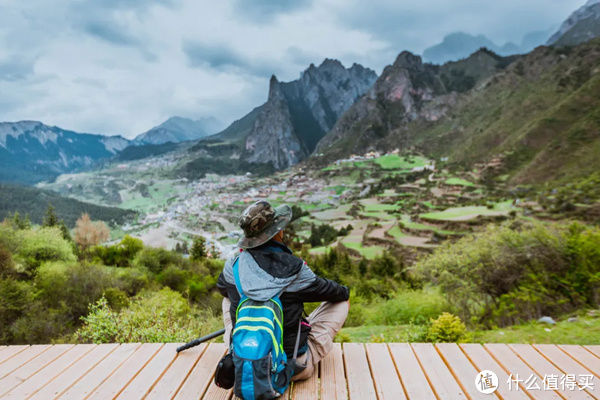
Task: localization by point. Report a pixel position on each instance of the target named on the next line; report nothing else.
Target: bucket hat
(261, 221)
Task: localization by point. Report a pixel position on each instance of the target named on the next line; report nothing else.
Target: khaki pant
(325, 321)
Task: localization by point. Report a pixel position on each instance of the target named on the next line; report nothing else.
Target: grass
(458, 182)
(457, 213)
(369, 252)
(381, 207)
(394, 161)
(396, 232)
(585, 331)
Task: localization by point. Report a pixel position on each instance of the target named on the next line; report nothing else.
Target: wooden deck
(355, 371)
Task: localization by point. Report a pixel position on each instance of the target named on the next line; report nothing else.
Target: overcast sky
(123, 66)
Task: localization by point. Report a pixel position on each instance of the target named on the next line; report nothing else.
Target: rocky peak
(299, 113)
(407, 91)
(582, 25)
(409, 61)
(274, 87)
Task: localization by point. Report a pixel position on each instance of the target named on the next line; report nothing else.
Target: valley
(391, 201)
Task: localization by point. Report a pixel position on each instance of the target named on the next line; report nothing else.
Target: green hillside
(34, 202)
(526, 119)
(540, 118)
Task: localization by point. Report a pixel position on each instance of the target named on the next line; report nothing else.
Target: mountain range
(179, 129)
(31, 151)
(335, 111)
(580, 26)
(458, 45)
(406, 91)
(534, 116)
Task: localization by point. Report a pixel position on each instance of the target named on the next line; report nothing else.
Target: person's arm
(222, 285)
(325, 290)
(309, 287)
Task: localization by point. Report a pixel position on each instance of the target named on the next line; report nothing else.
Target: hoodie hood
(265, 274)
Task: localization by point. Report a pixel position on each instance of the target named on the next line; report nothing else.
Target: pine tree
(66, 233)
(198, 251)
(26, 222)
(50, 219)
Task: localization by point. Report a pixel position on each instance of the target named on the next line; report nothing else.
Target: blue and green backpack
(262, 369)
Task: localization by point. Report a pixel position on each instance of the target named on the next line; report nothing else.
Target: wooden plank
(28, 386)
(22, 358)
(442, 381)
(543, 367)
(595, 350)
(30, 368)
(101, 372)
(582, 356)
(307, 389)
(387, 382)
(11, 351)
(216, 393)
(202, 374)
(560, 359)
(482, 360)
(76, 371)
(412, 376)
(142, 383)
(170, 382)
(462, 370)
(333, 379)
(518, 369)
(360, 382)
(110, 388)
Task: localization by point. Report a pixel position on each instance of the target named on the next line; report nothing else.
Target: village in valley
(374, 202)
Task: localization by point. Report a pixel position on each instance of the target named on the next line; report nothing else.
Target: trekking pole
(198, 341)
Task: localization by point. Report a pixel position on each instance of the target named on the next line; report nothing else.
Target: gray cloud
(106, 30)
(266, 10)
(16, 69)
(214, 56)
(416, 25)
(223, 57)
(123, 66)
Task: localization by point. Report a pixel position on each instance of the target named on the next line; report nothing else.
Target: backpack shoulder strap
(236, 276)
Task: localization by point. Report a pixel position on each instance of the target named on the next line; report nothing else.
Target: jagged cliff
(406, 91)
(297, 114)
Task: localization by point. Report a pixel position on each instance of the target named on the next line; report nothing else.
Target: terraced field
(391, 201)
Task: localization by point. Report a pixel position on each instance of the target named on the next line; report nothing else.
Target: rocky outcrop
(299, 113)
(273, 138)
(581, 26)
(406, 91)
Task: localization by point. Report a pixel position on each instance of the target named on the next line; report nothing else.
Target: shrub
(163, 316)
(7, 266)
(44, 244)
(132, 280)
(41, 323)
(410, 306)
(511, 273)
(16, 296)
(174, 278)
(121, 254)
(446, 328)
(90, 233)
(116, 298)
(156, 259)
(74, 285)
